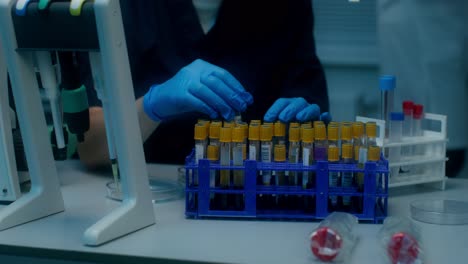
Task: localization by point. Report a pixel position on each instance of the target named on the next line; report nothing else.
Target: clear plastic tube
(400, 241)
(387, 87)
(225, 160)
(293, 154)
(347, 177)
(334, 239)
(395, 135)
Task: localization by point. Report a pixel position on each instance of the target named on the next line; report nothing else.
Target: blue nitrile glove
(198, 87)
(289, 109)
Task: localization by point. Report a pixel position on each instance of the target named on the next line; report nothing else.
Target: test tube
(347, 176)
(200, 146)
(308, 177)
(279, 135)
(360, 151)
(333, 176)
(320, 145)
(387, 87)
(215, 128)
(293, 153)
(245, 135)
(346, 133)
(400, 239)
(396, 131)
(407, 132)
(374, 156)
(417, 128)
(238, 157)
(334, 238)
(371, 132)
(418, 113)
(225, 160)
(280, 157)
(266, 134)
(332, 134)
(254, 142)
(213, 157)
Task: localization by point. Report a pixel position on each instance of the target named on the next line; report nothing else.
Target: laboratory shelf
(205, 199)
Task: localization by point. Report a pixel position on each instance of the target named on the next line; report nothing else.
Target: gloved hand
(289, 109)
(198, 87)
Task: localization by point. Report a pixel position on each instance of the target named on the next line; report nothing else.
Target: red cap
(403, 248)
(325, 238)
(418, 111)
(408, 107)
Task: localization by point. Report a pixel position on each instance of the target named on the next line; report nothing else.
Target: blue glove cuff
(147, 107)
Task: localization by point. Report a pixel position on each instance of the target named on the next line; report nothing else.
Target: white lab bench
(57, 239)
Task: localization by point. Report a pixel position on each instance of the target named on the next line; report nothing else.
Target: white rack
(428, 166)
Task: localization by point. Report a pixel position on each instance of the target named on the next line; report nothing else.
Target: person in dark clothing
(261, 52)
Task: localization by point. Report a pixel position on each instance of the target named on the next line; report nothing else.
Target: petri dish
(161, 190)
(441, 212)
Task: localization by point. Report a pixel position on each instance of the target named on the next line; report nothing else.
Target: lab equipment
(222, 96)
(98, 29)
(395, 136)
(265, 197)
(334, 175)
(400, 241)
(225, 160)
(320, 145)
(293, 154)
(308, 177)
(406, 151)
(49, 82)
(279, 157)
(238, 157)
(371, 133)
(201, 142)
(254, 142)
(440, 211)
(347, 177)
(334, 239)
(418, 113)
(265, 156)
(360, 150)
(428, 167)
(97, 74)
(387, 87)
(8, 169)
(213, 156)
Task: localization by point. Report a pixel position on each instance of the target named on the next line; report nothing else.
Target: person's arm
(93, 151)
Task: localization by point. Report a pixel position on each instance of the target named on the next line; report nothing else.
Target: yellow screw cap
(279, 129)
(280, 153)
(333, 132)
(256, 121)
(228, 124)
(245, 129)
(268, 124)
(237, 134)
(213, 153)
(320, 132)
(200, 132)
(374, 153)
(254, 132)
(266, 132)
(214, 131)
(358, 129)
(294, 124)
(333, 153)
(294, 133)
(346, 131)
(225, 134)
(371, 129)
(347, 151)
(316, 123)
(307, 135)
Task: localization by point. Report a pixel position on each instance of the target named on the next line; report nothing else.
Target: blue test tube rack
(372, 198)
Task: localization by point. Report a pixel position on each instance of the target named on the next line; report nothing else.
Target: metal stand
(136, 211)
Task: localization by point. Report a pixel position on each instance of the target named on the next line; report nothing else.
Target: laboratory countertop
(174, 238)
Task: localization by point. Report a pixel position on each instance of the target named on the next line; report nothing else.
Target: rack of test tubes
(415, 146)
(286, 171)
